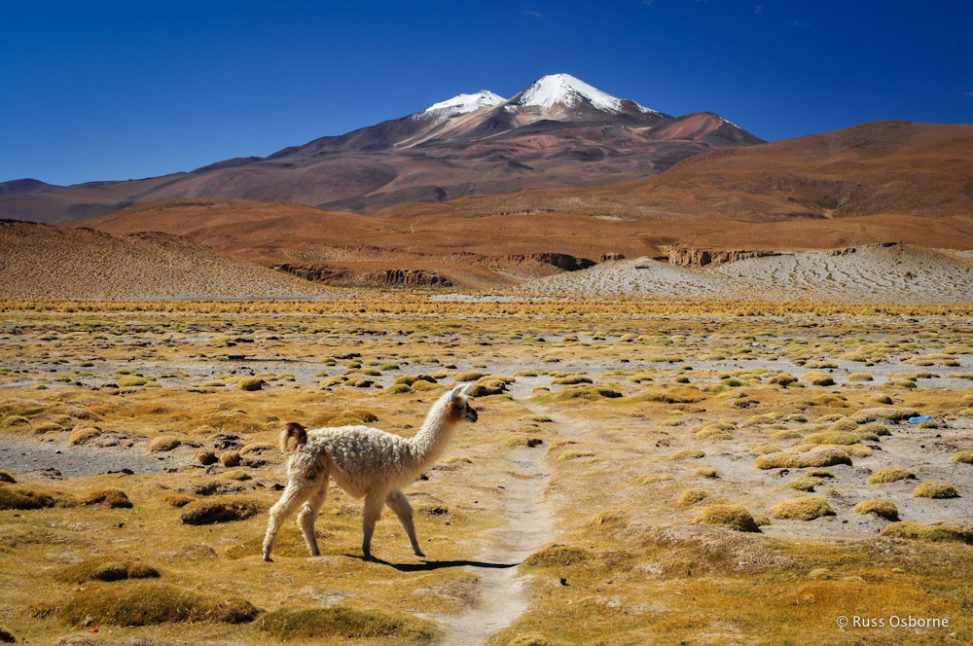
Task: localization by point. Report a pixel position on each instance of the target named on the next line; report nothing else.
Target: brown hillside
(41, 261)
(879, 168)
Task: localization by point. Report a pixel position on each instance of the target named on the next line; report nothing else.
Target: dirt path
(501, 598)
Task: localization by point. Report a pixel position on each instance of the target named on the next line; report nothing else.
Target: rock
(700, 257)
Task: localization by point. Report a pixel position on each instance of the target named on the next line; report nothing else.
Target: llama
(367, 463)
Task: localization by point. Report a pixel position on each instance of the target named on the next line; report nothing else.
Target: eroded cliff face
(342, 275)
(690, 256)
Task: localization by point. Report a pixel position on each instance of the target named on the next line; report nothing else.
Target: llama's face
(460, 409)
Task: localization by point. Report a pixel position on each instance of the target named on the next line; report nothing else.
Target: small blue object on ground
(920, 418)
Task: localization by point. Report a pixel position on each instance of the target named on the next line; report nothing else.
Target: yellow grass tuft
(825, 457)
(965, 457)
(935, 489)
(935, 532)
(219, 509)
(143, 604)
(730, 516)
(891, 474)
(114, 498)
(807, 508)
(163, 444)
(880, 507)
(340, 622)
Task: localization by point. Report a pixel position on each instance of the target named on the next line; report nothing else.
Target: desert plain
(643, 471)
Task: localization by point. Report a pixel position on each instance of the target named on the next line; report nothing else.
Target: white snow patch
(566, 90)
(464, 103)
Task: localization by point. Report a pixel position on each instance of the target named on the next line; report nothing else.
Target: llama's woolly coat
(367, 463)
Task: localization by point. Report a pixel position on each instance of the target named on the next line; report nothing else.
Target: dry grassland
(641, 472)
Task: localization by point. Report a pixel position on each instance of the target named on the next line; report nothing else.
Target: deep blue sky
(135, 88)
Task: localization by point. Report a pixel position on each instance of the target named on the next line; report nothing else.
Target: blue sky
(135, 88)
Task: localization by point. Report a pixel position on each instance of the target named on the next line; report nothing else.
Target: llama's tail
(295, 430)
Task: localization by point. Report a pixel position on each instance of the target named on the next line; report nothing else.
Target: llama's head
(459, 407)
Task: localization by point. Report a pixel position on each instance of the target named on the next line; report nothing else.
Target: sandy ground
(860, 274)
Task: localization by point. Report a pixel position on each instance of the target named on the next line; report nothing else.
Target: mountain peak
(569, 91)
(463, 103)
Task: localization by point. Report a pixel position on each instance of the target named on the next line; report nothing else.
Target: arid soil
(584, 506)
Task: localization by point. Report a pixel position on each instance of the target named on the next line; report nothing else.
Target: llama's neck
(431, 440)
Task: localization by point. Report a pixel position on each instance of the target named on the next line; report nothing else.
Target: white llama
(367, 463)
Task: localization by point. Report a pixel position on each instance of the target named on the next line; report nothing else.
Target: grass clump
(6, 636)
(807, 508)
(707, 472)
(691, 497)
(16, 497)
(6, 478)
(734, 517)
(129, 381)
(470, 375)
(82, 434)
(686, 454)
(161, 444)
(572, 380)
(832, 437)
(592, 393)
(251, 383)
(817, 458)
(114, 498)
(965, 457)
(100, 570)
(143, 604)
(219, 509)
(935, 489)
(891, 474)
(880, 507)
(556, 555)
(935, 532)
(803, 484)
(859, 376)
(818, 378)
(340, 622)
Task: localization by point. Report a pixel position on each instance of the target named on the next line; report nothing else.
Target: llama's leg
(309, 513)
(297, 491)
(370, 514)
(398, 503)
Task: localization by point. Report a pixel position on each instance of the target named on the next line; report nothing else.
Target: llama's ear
(465, 389)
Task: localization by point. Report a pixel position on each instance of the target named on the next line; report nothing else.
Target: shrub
(825, 457)
(818, 378)
(929, 532)
(730, 516)
(16, 497)
(859, 376)
(935, 489)
(832, 437)
(161, 444)
(251, 383)
(686, 454)
(114, 498)
(707, 472)
(230, 459)
(962, 456)
(129, 381)
(339, 622)
(890, 474)
(101, 570)
(807, 508)
(691, 497)
(144, 604)
(880, 507)
(219, 509)
(471, 375)
(82, 434)
(803, 484)
(6, 478)
(556, 555)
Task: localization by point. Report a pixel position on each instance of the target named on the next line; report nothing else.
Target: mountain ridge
(573, 134)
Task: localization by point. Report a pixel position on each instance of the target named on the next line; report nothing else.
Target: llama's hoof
(268, 559)
(419, 553)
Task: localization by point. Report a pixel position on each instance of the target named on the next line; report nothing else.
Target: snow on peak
(463, 103)
(567, 90)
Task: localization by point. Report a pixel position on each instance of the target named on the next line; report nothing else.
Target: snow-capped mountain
(569, 92)
(464, 103)
(558, 131)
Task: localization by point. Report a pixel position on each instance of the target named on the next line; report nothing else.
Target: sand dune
(40, 261)
(872, 273)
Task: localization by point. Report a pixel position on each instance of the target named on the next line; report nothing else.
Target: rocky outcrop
(564, 261)
(341, 275)
(699, 257)
(408, 277)
(316, 273)
(608, 257)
